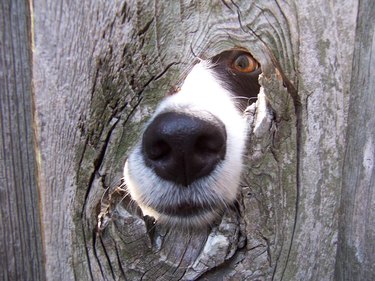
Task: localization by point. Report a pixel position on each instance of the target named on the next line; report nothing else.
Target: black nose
(182, 147)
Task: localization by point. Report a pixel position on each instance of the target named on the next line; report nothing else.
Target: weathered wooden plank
(355, 256)
(323, 84)
(64, 66)
(21, 255)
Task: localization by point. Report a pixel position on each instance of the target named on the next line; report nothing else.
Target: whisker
(244, 98)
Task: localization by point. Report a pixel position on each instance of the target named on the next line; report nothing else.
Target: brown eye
(245, 63)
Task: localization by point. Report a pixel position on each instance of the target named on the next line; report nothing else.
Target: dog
(186, 168)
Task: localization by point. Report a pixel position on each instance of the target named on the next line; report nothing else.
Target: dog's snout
(183, 147)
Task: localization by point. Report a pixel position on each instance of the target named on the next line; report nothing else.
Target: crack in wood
(146, 27)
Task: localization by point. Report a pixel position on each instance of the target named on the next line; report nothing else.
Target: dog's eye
(245, 63)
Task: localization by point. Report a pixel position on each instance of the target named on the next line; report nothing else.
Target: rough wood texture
(100, 67)
(21, 255)
(356, 248)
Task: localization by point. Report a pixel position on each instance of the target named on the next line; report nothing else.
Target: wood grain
(355, 255)
(21, 255)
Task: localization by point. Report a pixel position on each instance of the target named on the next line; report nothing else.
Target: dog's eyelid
(244, 63)
(233, 58)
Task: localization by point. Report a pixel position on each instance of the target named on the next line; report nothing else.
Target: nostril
(181, 147)
(209, 144)
(158, 150)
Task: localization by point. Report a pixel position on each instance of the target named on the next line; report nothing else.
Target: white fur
(201, 91)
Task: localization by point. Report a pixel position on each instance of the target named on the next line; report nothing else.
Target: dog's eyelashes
(245, 63)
